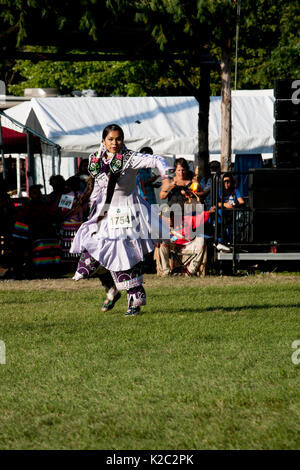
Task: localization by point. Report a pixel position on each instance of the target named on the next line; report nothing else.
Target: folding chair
(186, 249)
(190, 258)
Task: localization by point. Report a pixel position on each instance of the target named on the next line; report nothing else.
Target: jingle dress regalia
(120, 247)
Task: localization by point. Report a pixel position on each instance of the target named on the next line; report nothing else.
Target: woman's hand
(228, 205)
(166, 187)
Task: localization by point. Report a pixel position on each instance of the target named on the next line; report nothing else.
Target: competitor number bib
(119, 217)
(66, 201)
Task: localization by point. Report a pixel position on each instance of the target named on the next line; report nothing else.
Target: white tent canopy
(167, 124)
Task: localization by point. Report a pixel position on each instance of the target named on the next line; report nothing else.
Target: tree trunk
(203, 98)
(226, 106)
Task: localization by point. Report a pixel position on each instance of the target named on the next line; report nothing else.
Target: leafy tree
(268, 45)
(197, 23)
(269, 41)
(135, 78)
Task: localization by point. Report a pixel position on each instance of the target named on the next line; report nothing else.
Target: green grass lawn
(208, 366)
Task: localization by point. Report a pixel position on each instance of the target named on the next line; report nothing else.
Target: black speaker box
(288, 131)
(281, 226)
(274, 202)
(274, 188)
(287, 89)
(287, 154)
(285, 110)
(286, 128)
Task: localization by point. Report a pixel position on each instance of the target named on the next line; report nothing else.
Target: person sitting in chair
(174, 195)
(183, 218)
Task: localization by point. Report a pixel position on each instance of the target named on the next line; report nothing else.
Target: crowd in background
(36, 233)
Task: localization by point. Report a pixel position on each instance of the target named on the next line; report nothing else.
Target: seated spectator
(83, 174)
(58, 184)
(176, 199)
(188, 243)
(7, 214)
(36, 248)
(178, 196)
(70, 219)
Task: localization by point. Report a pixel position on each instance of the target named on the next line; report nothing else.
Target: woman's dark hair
(182, 162)
(83, 198)
(147, 150)
(214, 166)
(233, 183)
(112, 127)
(83, 163)
(35, 187)
(74, 183)
(57, 182)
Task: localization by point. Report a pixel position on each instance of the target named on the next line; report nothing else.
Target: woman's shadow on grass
(235, 309)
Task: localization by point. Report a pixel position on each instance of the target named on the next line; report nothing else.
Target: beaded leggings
(130, 280)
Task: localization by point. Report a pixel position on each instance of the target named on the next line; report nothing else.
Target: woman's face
(180, 172)
(227, 183)
(113, 142)
(35, 194)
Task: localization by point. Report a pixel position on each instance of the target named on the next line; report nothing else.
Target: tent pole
(2, 153)
(59, 160)
(53, 160)
(18, 176)
(31, 169)
(43, 173)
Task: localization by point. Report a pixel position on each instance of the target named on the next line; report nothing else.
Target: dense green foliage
(269, 45)
(140, 78)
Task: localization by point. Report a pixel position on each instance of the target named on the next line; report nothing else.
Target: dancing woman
(121, 225)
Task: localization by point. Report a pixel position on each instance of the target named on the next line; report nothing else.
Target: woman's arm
(225, 204)
(166, 187)
(145, 160)
(240, 201)
(228, 205)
